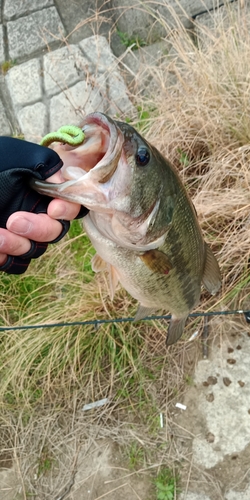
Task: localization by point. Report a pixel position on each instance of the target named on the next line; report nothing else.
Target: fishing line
(97, 322)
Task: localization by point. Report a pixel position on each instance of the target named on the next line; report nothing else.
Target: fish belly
(151, 289)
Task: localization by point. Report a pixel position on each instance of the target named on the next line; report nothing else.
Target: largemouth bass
(141, 222)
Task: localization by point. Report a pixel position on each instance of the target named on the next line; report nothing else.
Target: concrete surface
(193, 496)
(10, 485)
(224, 402)
(218, 418)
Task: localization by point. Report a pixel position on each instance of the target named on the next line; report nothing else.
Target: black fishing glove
(19, 162)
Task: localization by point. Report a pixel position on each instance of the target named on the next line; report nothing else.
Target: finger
(59, 209)
(12, 244)
(37, 227)
(56, 178)
(3, 258)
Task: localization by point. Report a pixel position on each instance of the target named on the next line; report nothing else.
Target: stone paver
(20, 7)
(63, 68)
(24, 83)
(99, 56)
(155, 20)
(33, 121)
(83, 19)
(35, 32)
(73, 104)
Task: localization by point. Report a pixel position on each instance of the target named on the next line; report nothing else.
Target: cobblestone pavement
(56, 69)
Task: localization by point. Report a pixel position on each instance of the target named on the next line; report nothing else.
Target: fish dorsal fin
(175, 330)
(156, 261)
(113, 281)
(98, 264)
(211, 278)
(143, 311)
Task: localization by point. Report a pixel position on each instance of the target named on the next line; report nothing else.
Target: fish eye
(142, 157)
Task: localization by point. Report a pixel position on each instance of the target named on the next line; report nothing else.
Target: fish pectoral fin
(143, 311)
(98, 264)
(156, 261)
(175, 329)
(113, 281)
(211, 278)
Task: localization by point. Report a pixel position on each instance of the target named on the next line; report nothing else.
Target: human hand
(25, 234)
(25, 226)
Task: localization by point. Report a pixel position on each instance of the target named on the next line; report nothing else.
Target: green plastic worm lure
(68, 134)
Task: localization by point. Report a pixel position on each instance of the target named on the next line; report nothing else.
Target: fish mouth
(89, 166)
(98, 175)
